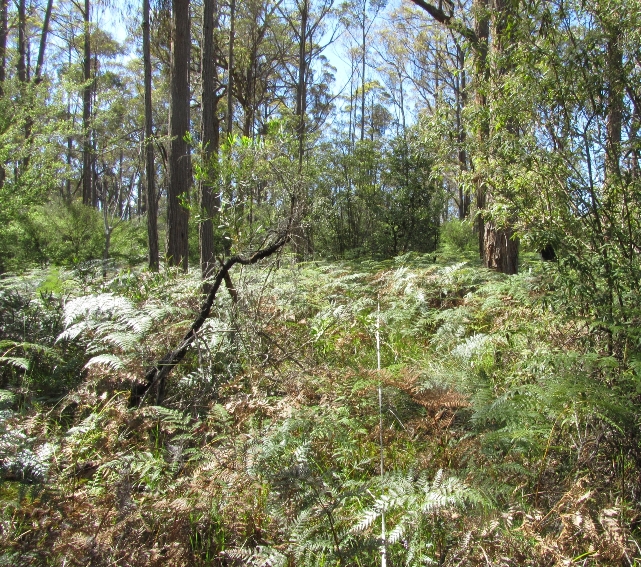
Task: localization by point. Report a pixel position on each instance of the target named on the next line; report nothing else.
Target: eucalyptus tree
(4, 29)
(88, 196)
(431, 60)
(309, 37)
(498, 245)
(257, 60)
(150, 167)
(211, 93)
(358, 18)
(179, 160)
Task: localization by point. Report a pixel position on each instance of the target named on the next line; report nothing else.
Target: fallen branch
(157, 373)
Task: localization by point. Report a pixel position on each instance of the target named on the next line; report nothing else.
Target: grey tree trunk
(22, 42)
(209, 202)
(3, 62)
(150, 168)
(230, 68)
(4, 23)
(43, 41)
(179, 162)
(87, 193)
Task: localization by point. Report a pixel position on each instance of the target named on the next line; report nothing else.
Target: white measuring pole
(380, 427)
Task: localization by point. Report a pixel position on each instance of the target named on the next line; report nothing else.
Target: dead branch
(159, 372)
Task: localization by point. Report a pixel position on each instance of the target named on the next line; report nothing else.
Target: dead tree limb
(157, 374)
(448, 20)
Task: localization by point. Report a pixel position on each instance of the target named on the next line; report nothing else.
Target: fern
(411, 504)
(111, 361)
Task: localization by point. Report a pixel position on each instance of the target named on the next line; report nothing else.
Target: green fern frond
(15, 361)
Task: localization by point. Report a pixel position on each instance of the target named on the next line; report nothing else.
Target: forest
(334, 283)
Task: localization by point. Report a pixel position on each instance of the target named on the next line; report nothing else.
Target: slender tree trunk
(301, 90)
(616, 88)
(3, 63)
(69, 138)
(179, 165)
(43, 42)
(363, 47)
(150, 167)
(23, 78)
(461, 96)
(22, 42)
(3, 42)
(87, 193)
(230, 68)
(482, 31)
(209, 202)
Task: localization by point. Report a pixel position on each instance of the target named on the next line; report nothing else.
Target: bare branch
(449, 21)
(158, 373)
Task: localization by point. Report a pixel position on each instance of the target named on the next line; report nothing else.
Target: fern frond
(16, 361)
(111, 361)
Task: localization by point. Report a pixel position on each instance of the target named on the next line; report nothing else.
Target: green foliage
(31, 315)
(376, 199)
(457, 237)
(495, 406)
(66, 234)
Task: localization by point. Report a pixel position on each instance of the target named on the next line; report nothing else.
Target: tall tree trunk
(497, 247)
(87, 193)
(299, 238)
(3, 63)
(22, 42)
(481, 76)
(22, 77)
(500, 245)
(3, 42)
(461, 100)
(230, 67)
(43, 42)
(179, 163)
(150, 168)
(301, 88)
(363, 61)
(616, 88)
(209, 203)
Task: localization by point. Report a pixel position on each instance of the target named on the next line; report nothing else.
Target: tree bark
(150, 168)
(179, 162)
(3, 63)
(43, 42)
(4, 24)
(301, 87)
(230, 68)
(616, 88)
(363, 67)
(209, 203)
(22, 42)
(87, 194)
(461, 102)
(481, 75)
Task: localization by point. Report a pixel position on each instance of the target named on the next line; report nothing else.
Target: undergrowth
(510, 430)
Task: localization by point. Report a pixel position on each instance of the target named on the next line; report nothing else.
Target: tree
(179, 162)
(209, 203)
(363, 13)
(88, 196)
(498, 245)
(150, 168)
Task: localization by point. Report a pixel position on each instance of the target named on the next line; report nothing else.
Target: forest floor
(504, 435)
